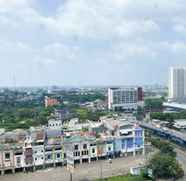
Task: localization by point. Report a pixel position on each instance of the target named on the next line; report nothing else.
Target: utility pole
(101, 170)
(70, 176)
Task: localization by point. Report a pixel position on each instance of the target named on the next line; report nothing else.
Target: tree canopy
(164, 163)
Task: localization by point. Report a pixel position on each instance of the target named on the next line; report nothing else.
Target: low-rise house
(54, 124)
(129, 139)
(110, 147)
(93, 151)
(139, 140)
(101, 149)
(28, 153)
(19, 157)
(7, 158)
(58, 154)
(78, 148)
(54, 151)
(38, 149)
(51, 147)
(63, 114)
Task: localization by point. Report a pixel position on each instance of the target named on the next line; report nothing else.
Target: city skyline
(85, 42)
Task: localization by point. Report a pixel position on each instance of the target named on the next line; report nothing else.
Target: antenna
(14, 81)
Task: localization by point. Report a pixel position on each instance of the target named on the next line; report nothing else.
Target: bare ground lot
(87, 171)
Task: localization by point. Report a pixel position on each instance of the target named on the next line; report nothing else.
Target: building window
(18, 160)
(77, 153)
(93, 150)
(76, 147)
(58, 155)
(49, 157)
(84, 146)
(35, 159)
(7, 156)
(84, 152)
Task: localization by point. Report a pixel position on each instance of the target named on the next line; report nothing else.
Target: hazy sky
(90, 42)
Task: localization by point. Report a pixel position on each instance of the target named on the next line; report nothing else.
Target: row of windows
(55, 124)
(38, 151)
(138, 133)
(77, 153)
(49, 157)
(84, 152)
(76, 147)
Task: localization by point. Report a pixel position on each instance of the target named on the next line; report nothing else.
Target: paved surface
(181, 157)
(85, 171)
(166, 131)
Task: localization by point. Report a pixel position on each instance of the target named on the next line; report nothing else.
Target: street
(87, 171)
(181, 157)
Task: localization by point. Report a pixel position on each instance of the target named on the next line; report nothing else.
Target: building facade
(41, 149)
(177, 84)
(126, 98)
(49, 101)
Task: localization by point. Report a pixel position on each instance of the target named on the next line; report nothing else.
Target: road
(181, 157)
(85, 171)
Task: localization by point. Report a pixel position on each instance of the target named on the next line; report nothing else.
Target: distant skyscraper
(177, 83)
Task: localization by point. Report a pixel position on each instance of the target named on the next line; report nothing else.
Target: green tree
(165, 166)
(153, 104)
(164, 147)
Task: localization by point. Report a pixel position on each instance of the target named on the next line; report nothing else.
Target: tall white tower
(177, 83)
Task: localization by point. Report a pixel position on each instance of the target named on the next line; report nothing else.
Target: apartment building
(126, 99)
(177, 84)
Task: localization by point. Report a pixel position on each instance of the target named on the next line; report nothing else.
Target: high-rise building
(177, 84)
(126, 98)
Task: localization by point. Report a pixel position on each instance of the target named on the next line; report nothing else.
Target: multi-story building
(49, 101)
(28, 153)
(77, 149)
(130, 139)
(52, 147)
(7, 158)
(54, 124)
(19, 157)
(177, 84)
(54, 154)
(126, 98)
(63, 114)
(38, 149)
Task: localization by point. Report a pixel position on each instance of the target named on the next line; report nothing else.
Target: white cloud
(90, 33)
(180, 28)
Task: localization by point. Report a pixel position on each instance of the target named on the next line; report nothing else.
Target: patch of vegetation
(124, 178)
(22, 110)
(153, 104)
(164, 164)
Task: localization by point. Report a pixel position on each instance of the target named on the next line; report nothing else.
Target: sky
(90, 42)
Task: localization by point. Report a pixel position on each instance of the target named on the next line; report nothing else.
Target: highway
(175, 136)
(167, 133)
